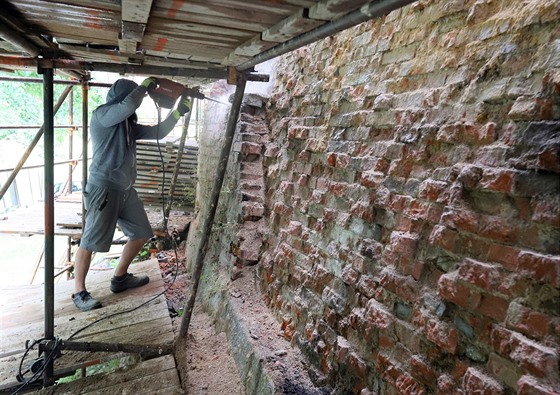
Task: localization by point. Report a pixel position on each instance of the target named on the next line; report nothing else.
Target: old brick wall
(412, 189)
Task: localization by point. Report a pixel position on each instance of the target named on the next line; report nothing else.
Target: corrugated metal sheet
(207, 33)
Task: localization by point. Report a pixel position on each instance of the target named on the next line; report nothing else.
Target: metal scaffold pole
(208, 219)
(48, 123)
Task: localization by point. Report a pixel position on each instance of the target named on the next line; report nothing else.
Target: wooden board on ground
(22, 312)
(156, 375)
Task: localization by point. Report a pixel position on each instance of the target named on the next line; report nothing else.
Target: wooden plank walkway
(22, 312)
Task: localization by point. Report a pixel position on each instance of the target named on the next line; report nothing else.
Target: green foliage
(106, 367)
(21, 103)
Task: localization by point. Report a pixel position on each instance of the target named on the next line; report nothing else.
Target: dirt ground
(206, 365)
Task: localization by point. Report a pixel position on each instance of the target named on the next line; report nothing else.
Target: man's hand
(150, 83)
(184, 105)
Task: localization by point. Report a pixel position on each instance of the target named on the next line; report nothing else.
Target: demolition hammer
(167, 92)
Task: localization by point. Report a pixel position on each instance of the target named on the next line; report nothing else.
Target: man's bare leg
(123, 281)
(131, 249)
(82, 261)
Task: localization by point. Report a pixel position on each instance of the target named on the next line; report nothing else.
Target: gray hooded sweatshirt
(114, 132)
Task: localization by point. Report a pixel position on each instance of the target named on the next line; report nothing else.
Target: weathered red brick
(447, 386)
(372, 178)
(528, 385)
(481, 274)
(349, 275)
(298, 132)
(378, 316)
(367, 286)
(404, 287)
(435, 211)
(406, 385)
(498, 229)
(422, 371)
(461, 219)
(248, 148)
(527, 321)
(545, 268)
(514, 285)
(548, 159)
(362, 210)
(528, 108)
(281, 208)
(476, 382)
(387, 368)
(493, 306)
(498, 180)
(342, 160)
(382, 165)
(358, 368)
(546, 210)
(532, 357)
(418, 209)
(442, 334)
(443, 237)
(506, 255)
(472, 245)
(469, 176)
(404, 245)
(451, 289)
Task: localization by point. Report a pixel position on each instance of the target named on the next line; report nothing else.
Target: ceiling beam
(18, 39)
(135, 14)
(67, 64)
(369, 11)
(9, 31)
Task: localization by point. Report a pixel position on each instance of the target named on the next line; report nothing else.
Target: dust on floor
(206, 365)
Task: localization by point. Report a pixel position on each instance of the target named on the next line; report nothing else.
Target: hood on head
(120, 89)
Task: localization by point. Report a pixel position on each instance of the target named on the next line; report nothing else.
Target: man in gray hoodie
(109, 196)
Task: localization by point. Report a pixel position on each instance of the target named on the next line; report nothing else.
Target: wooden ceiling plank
(36, 12)
(167, 25)
(254, 46)
(93, 53)
(96, 25)
(151, 58)
(233, 59)
(84, 34)
(249, 8)
(327, 10)
(182, 47)
(211, 22)
(196, 39)
(173, 10)
(110, 5)
(137, 11)
(290, 27)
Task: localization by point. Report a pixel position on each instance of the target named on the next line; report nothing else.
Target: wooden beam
(132, 31)
(253, 47)
(135, 14)
(136, 10)
(290, 27)
(127, 46)
(331, 9)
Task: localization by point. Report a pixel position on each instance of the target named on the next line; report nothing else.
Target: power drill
(168, 91)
